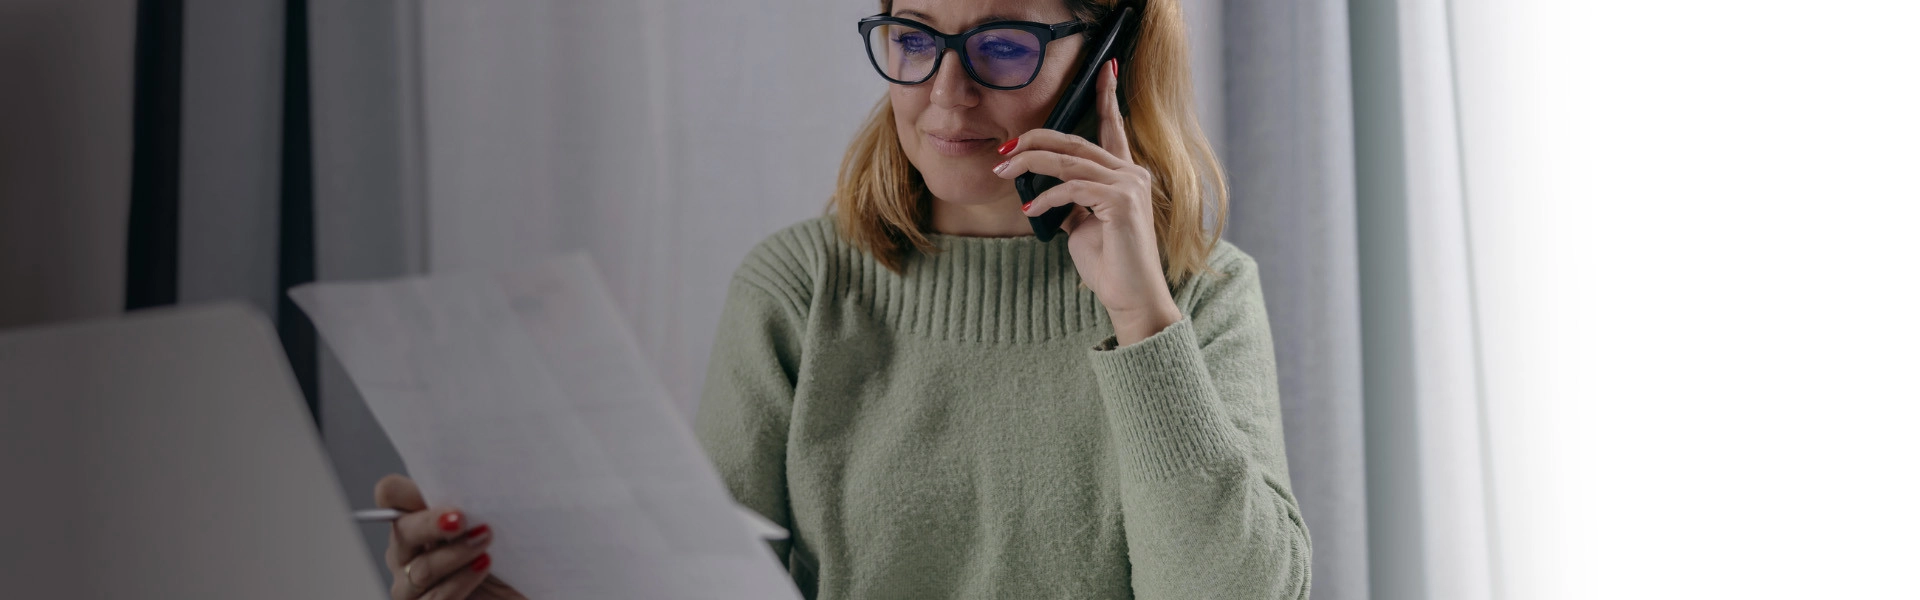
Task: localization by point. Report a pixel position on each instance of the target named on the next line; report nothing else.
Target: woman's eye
(1004, 50)
(914, 42)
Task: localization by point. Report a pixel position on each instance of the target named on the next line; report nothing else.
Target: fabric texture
(1287, 83)
(969, 429)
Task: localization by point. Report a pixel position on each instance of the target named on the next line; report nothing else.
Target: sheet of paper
(522, 397)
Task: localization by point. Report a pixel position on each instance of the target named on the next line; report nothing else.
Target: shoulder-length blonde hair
(882, 203)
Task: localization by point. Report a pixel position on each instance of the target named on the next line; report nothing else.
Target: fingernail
(1008, 147)
(1113, 64)
(1001, 167)
(481, 564)
(1024, 205)
(450, 522)
(479, 536)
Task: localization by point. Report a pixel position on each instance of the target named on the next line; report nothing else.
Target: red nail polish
(450, 522)
(1024, 205)
(480, 536)
(1113, 64)
(481, 564)
(1008, 147)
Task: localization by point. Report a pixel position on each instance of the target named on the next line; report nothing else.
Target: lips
(958, 143)
(959, 135)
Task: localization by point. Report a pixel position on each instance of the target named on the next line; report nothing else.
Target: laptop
(167, 454)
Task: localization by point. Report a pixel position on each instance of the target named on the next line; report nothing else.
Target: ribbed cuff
(1165, 413)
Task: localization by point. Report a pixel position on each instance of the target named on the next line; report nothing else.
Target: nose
(951, 85)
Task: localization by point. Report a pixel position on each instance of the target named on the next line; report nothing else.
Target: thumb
(1074, 220)
(398, 493)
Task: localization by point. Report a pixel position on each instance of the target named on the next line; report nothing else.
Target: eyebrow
(926, 18)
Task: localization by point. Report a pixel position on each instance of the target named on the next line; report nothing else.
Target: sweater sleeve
(747, 400)
(1195, 415)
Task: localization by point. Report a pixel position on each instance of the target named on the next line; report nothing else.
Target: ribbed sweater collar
(1008, 290)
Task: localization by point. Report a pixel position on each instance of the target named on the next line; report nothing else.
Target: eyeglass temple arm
(1066, 29)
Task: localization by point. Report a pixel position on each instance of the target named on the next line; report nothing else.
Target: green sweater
(969, 430)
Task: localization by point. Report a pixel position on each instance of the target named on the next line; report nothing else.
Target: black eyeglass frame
(1047, 34)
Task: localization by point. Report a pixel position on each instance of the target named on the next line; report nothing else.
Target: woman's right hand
(434, 553)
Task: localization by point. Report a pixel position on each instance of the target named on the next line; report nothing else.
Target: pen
(376, 515)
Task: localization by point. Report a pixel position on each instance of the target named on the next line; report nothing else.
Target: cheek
(1020, 113)
(1029, 106)
(907, 107)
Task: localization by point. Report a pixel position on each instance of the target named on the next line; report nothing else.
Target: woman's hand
(435, 554)
(1113, 244)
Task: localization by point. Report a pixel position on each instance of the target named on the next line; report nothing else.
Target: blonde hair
(882, 203)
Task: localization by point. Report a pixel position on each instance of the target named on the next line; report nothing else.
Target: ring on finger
(408, 573)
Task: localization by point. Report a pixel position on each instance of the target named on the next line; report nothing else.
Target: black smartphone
(1067, 115)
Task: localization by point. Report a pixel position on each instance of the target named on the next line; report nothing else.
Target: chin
(970, 191)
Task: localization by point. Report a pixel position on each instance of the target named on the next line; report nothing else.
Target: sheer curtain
(1428, 506)
(1289, 149)
(1698, 275)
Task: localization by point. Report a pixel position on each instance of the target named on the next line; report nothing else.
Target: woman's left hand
(1113, 245)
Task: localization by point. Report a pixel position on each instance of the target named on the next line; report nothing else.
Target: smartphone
(1067, 115)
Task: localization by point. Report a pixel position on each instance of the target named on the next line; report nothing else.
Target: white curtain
(1699, 293)
(1429, 514)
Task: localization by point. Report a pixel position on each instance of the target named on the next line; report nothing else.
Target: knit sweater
(969, 429)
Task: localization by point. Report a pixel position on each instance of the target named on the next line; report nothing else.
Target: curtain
(219, 206)
(66, 141)
(1290, 162)
(1428, 509)
(369, 216)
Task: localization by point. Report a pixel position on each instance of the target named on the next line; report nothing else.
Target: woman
(936, 403)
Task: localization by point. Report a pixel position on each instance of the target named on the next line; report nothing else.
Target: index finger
(398, 493)
(419, 526)
(1113, 127)
(1067, 144)
(429, 527)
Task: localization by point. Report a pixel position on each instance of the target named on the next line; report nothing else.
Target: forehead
(959, 15)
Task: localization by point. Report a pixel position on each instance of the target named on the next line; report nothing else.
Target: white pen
(376, 515)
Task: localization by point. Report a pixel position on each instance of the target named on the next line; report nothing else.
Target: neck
(1000, 218)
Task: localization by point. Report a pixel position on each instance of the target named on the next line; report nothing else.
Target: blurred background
(1570, 300)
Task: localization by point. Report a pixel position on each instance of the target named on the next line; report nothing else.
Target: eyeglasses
(1003, 55)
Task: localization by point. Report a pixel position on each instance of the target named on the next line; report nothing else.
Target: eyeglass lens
(1004, 57)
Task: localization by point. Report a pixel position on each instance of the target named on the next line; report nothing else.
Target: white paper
(761, 526)
(521, 397)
